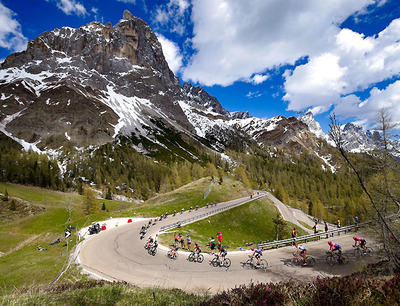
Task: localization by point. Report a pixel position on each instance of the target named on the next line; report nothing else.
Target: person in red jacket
(219, 240)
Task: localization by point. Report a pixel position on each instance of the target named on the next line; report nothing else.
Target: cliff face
(86, 85)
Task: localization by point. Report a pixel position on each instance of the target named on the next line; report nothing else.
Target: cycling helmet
(252, 249)
(355, 238)
(329, 242)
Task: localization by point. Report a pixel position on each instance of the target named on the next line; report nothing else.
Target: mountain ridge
(91, 85)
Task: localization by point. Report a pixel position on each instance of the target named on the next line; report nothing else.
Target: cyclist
(149, 242)
(302, 251)
(174, 249)
(361, 242)
(256, 253)
(197, 250)
(212, 244)
(155, 242)
(335, 247)
(222, 253)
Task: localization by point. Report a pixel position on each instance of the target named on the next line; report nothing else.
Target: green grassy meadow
(248, 223)
(191, 195)
(22, 265)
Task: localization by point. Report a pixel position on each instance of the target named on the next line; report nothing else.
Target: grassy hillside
(22, 230)
(191, 195)
(101, 293)
(251, 222)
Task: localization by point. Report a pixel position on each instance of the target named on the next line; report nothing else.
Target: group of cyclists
(333, 247)
(256, 253)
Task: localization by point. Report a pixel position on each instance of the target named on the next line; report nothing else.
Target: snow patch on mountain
(314, 126)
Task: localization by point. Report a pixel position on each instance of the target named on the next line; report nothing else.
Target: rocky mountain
(314, 126)
(357, 140)
(95, 84)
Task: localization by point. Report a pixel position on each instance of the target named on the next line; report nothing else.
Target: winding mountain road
(118, 254)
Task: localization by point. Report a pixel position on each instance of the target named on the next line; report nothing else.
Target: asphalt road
(118, 254)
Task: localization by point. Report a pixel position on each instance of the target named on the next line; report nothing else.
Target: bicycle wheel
(191, 257)
(247, 264)
(175, 257)
(153, 251)
(263, 265)
(227, 263)
(200, 258)
(345, 260)
(330, 260)
(358, 253)
(214, 262)
(368, 251)
(310, 261)
(295, 261)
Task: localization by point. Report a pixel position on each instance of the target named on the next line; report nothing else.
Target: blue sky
(270, 57)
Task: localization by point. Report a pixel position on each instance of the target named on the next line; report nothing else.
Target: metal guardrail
(176, 224)
(330, 233)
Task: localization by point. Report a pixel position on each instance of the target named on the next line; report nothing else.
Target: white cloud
(234, 39)
(172, 16)
(320, 81)
(70, 7)
(11, 36)
(252, 94)
(127, 1)
(259, 78)
(172, 53)
(359, 63)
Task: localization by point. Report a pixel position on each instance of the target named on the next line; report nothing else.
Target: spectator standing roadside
(212, 244)
(189, 242)
(355, 223)
(326, 229)
(294, 234)
(182, 239)
(315, 227)
(219, 240)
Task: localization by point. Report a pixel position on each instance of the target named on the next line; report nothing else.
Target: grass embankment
(323, 291)
(191, 195)
(249, 223)
(21, 232)
(101, 293)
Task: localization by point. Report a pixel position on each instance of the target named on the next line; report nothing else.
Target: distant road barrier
(305, 238)
(209, 213)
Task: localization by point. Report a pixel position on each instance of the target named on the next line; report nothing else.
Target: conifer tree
(89, 202)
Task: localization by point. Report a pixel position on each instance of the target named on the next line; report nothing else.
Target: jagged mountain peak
(89, 85)
(314, 126)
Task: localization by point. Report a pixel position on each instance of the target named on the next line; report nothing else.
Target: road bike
(192, 257)
(299, 261)
(252, 263)
(334, 258)
(217, 262)
(172, 254)
(152, 250)
(359, 252)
